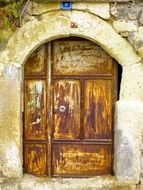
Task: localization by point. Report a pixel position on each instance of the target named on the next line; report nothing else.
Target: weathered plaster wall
(117, 28)
(10, 132)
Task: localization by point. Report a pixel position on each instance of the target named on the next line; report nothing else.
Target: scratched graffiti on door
(81, 159)
(35, 109)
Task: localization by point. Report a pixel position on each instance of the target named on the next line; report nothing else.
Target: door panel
(35, 109)
(97, 109)
(35, 159)
(66, 109)
(80, 57)
(36, 62)
(81, 160)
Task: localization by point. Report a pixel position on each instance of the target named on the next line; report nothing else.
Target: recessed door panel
(80, 58)
(97, 109)
(66, 109)
(81, 160)
(35, 159)
(36, 64)
(35, 109)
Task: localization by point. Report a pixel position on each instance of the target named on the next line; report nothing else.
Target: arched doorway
(70, 93)
(129, 108)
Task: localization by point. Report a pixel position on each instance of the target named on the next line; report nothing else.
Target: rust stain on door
(35, 109)
(81, 160)
(97, 109)
(35, 159)
(36, 62)
(66, 109)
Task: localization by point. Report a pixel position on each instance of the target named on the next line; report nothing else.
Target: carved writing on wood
(84, 160)
(80, 58)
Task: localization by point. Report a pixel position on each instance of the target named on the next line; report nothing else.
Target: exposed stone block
(10, 129)
(123, 25)
(136, 39)
(132, 82)
(133, 15)
(126, 11)
(101, 10)
(128, 130)
(10, 160)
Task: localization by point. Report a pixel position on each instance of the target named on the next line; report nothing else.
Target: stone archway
(129, 109)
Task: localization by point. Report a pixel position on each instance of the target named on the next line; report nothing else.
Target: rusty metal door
(70, 92)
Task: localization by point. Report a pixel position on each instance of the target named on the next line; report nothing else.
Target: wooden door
(70, 93)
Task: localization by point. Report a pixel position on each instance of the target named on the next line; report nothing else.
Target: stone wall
(128, 21)
(118, 28)
(125, 17)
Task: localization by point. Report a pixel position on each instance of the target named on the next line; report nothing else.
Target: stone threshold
(29, 182)
(96, 183)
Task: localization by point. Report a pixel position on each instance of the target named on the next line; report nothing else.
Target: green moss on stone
(9, 13)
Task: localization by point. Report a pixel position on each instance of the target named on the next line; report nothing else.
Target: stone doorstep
(97, 183)
(43, 183)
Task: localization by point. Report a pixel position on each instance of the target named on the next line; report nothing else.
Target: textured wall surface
(10, 130)
(117, 28)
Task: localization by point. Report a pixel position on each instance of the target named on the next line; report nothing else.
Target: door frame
(49, 95)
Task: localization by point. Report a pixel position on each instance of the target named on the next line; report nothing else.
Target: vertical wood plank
(49, 106)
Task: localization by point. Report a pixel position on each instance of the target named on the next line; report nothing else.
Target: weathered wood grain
(97, 109)
(35, 109)
(35, 159)
(81, 160)
(66, 109)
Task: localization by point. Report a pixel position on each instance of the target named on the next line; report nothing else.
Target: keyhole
(62, 109)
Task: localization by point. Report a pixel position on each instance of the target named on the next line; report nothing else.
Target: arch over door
(70, 91)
